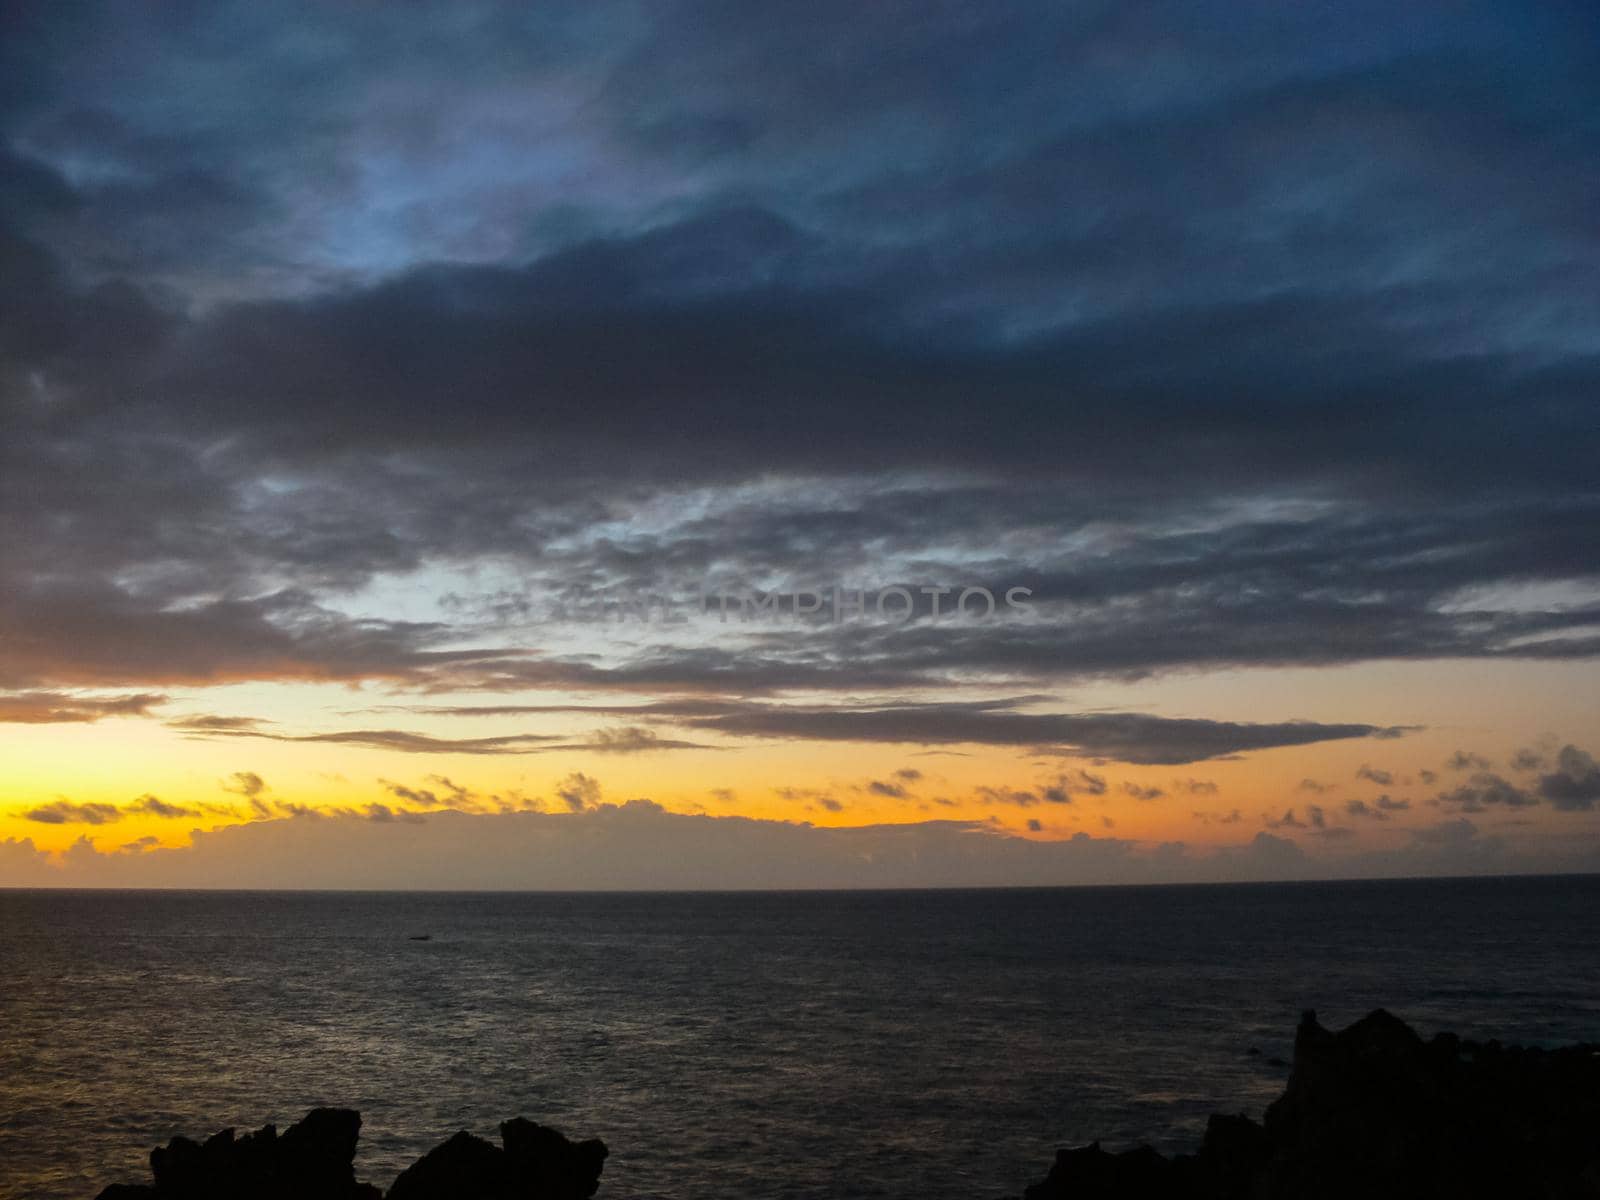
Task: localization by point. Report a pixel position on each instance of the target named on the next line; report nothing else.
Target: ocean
(806, 1045)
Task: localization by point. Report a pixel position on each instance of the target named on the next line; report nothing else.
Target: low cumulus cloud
(1484, 791)
(245, 783)
(1381, 809)
(1528, 759)
(1315, 818)
(1574, 786)
(638, 844)
(578, 792)
(1142, 793)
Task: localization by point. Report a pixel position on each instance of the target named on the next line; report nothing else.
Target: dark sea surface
(826, 1045)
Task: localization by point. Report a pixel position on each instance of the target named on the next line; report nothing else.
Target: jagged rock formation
(1373, 1111)
(314, 1160)
(532, 1162)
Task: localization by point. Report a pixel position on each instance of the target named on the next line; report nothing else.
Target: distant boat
(422, 937)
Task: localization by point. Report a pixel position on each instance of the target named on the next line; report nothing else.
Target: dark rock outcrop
(314, 1160)
(533, 1162)
(1374, 1111)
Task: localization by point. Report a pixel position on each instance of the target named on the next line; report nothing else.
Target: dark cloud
(245, 783)
(384, 814)
(638, 845)
(1375, 775)
(626, 740)
(1463, 760)
(1316, 819)
(1379, 810)
(1575, 784)
(45, 708)
(578, 792)
(631, 739)
(1528, 759)
(407, 741)
(459, 289)
(1124, 737)
(1486, 790)
(65, 812)
(216, 724)
(156, 807)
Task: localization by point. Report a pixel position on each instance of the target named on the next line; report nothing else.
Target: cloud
(1457, 832)
(215, 724)
(1379, 810)
(1462, 760)
(65, 812)
(408, 741)
(631, 739)
(154, 806)
(578, 792)
(1374, 775)
(44, 708)
(894, 791)
(834, 307)
(1527, 759)
(638, 845)
(245, 783)
(1315, 819)
(627, 740)
(749, 353)
(1575, 784)
(1123, 737)
(444, 792)
(1484, 791)
(384, 814)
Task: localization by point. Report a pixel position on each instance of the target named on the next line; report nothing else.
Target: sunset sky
(384, 390)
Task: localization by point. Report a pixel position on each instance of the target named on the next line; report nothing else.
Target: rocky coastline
(1370, 1111)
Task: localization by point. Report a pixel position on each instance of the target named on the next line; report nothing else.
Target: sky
(700, 444)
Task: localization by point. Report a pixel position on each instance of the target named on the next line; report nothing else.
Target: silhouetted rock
(313, 1160)
(1138, 1174)
(463, 1168)
(1374, 1111)
(544, 1164)
(533, 1162)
